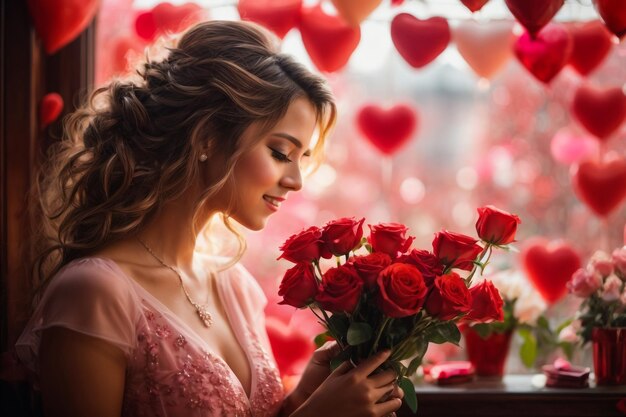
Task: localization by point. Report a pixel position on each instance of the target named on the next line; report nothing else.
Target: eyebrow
(291, 139)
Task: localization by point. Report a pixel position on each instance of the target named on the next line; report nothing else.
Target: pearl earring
(203, 157)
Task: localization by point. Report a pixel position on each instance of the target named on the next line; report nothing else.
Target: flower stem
(319, 270)
(478, 263)
(380, 332)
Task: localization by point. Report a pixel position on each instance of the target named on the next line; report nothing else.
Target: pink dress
(170, 371)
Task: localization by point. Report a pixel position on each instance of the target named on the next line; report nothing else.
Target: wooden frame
(27, 73)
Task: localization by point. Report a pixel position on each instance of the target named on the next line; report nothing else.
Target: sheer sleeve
(89, 296)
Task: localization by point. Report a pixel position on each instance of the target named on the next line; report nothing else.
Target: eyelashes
(279, 156)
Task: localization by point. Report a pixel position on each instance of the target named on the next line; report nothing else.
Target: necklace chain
(201, 309)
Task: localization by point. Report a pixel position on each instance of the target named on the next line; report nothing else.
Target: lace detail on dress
(167, 373)
(269, 391)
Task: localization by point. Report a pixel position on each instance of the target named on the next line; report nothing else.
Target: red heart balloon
(600, 111)
(50, 108)
(486, 48)
(546, 54)
(58, 22)
(474, 5)
(328, 40)
(354, 12)
(387, 129)
(419, 41)
(171, 19)
(601, 185)
(280, 16)
(534, 14)
(591, 43)
(145, 26)
(549, 266)
(292, 348)
(613, 12)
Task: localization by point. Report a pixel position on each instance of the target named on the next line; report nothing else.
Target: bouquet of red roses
(384, 295)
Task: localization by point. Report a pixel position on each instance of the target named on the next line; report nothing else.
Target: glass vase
(609, 355)
(487, 355)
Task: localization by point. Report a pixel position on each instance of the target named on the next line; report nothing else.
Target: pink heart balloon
(568, 148)
(601, 185)
(387, 129)
(328, 40)
(50, 108)
(485, 47)
(419, 41)
(600, 111)
(591, 43)
(534, 14)
(546, 54)
(549, 266)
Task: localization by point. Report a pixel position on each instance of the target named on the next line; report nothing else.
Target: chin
(253, 224)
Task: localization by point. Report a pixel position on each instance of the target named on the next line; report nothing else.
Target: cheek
(255, 170)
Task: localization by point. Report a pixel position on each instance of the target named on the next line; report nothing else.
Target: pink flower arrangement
(602, 286)
(382, 294)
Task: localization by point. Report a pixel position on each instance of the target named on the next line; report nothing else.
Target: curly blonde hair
(135, 145)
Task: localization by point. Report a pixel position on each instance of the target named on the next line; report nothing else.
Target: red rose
(342, 235)
(486, 303)
(304, 246)
(369, 266)
(389, 238)
(455, 250)
(496, 226)
(427, 263)
(340, 289)
(402, 290)
(299, 285)
(448, 298)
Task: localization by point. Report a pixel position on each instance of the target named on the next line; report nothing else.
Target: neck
(171, 234)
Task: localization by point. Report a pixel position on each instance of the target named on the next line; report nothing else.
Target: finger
(343, 368)
(397, 392)
(383, 378)
(383, 393)
(370, 364)
(328, 351)
(382, 409)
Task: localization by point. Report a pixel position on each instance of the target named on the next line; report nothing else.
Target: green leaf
(320, 339)
(542, 322)
(483, 329)
(528, 349)
(445, 332)
(339, 323)
(410, 398)
(414, 364)
(568, 349)
(339, 359)
(359, 333)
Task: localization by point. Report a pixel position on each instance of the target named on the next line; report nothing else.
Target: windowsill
(515, 395)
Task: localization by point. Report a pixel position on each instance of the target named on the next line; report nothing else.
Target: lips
(274, 201)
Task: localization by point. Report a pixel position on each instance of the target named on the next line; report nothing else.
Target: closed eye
(279, 156)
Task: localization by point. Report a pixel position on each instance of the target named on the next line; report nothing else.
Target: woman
(134, 320)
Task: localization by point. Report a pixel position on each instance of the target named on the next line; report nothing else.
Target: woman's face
(271, 168)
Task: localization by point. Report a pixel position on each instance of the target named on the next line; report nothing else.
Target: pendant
(205, 316)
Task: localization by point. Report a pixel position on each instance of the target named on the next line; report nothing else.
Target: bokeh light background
(478, 141)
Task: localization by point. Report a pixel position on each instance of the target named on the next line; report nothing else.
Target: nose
(292, 178)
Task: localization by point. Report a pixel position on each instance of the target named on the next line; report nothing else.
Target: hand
(354, 392)
(316, 372)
